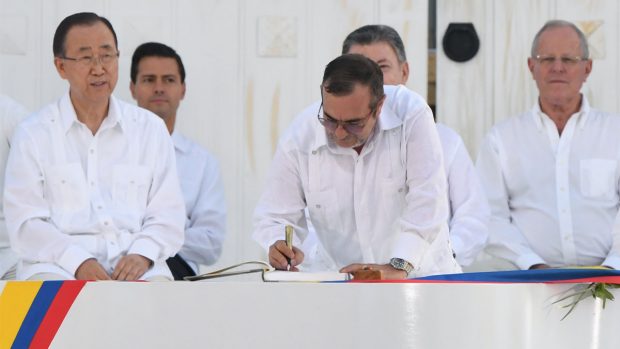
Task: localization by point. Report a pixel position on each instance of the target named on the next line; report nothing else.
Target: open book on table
(271, 275)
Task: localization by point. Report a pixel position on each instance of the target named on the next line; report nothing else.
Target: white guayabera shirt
(469, 211)
(71, 196)
(205, 205)
(553, 198)
(389, 201)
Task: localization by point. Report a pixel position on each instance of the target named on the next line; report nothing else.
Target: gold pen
(288, 238)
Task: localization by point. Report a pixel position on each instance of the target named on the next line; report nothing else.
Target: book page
(300, 276)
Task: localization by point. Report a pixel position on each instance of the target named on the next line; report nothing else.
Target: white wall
(251, 65)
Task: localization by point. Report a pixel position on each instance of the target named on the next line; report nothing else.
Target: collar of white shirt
(68, 117)
(387, 121)
(582, 114)
(180, 143)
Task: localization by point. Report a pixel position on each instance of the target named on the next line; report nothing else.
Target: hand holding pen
(283, 255)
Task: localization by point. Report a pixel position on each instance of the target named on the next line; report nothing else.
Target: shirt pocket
(324, 211)
(598, 178)
(66, 188)
(131, 184)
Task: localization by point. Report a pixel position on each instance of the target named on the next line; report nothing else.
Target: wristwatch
(401, 264)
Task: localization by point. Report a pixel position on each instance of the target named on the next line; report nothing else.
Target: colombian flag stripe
(15, 301)
(35, 315)
(56, 313)
(31, 312)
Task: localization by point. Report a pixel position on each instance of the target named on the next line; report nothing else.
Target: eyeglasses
(567, 61)
(87, 61)
(352, 126)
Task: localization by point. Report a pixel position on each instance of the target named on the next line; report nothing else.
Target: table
(253, 314)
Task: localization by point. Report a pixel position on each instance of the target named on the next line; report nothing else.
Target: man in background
(11, 113)
(551, 174)
(158, 84)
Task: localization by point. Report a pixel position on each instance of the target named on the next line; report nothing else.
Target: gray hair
(370, 34)
(558, 23)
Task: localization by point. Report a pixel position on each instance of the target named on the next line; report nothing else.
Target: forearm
(507, 242)
(39, 240)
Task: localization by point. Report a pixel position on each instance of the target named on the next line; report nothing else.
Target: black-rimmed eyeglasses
(568, 61)
(87, 61)
(351, 126)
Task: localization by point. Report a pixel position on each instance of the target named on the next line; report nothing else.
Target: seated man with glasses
(91, 185)
(551, 174)
(369, 168)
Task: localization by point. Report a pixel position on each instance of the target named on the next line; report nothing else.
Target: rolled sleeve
(72, 258)
(612, 261)
(410, 248)
(147, 248)
(525, 261)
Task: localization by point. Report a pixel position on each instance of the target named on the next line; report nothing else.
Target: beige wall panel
(410, 19)
(134, 26)
(20, 49)
(598, 19)
(464, 89)
(515, 24)
(273, 59)
(330, 22)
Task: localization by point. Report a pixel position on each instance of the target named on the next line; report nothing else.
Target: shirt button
(318, 206)
(99, 207)
(314, 152)
(132, 182)
(92, 184)
(105, 223)
(400, 190)
(63, 181)
(92, 151)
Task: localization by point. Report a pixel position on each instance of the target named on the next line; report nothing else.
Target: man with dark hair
(367, 163)
(91, 186)
(382, 44)
(469, 211)
(158, 84)
(551, 174)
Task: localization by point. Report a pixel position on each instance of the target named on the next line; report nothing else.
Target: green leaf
(599, 290)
